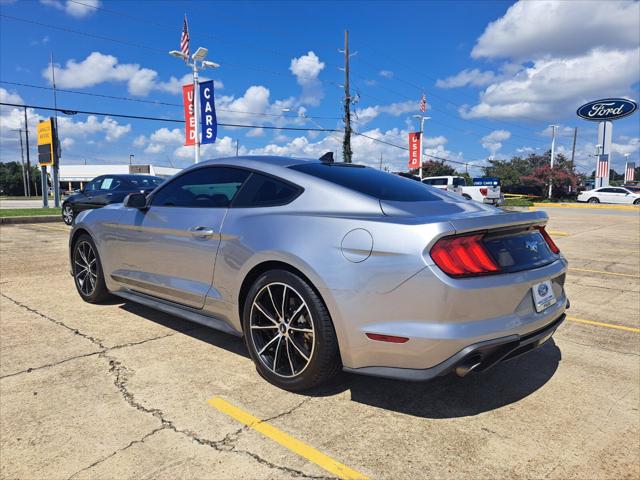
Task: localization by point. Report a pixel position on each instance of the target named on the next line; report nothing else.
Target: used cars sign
(607, 109)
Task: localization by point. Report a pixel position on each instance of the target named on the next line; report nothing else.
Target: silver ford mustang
(323, 265)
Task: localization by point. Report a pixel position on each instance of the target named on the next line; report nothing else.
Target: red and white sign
(415, 146)
(602, 168)
(189, 118)
(629, 172)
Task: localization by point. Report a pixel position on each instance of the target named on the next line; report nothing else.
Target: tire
(304, 345)
(593, 200)
(90, 285)
(636, 201)
(68, 215)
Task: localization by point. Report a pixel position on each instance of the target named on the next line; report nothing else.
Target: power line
(68, 111)
(158, 102)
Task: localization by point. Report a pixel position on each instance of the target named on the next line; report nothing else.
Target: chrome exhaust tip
(468, 365)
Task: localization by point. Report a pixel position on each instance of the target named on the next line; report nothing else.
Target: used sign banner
(189, 119)
(415, 148)
(208, 113)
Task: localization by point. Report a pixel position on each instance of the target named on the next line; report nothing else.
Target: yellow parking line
(604, 272)
(585, 205)
(287, 441)
(557, 234)
(606, 325)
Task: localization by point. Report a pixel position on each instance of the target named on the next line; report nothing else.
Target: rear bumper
(476, 357)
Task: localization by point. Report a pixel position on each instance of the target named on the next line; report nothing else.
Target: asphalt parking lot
(121, 391)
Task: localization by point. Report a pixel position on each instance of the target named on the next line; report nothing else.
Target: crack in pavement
(130, 444)
(119, 373)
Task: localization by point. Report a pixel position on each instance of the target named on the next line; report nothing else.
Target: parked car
(483, 190)
(104, 190)
(322, 266)
(610, 195)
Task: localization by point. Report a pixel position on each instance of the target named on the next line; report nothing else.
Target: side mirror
(136, 200)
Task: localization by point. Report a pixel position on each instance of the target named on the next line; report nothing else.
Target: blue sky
(496, 74)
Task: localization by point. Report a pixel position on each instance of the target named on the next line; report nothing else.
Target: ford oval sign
(607, 109)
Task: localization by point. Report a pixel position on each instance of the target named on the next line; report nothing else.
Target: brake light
(484, 191)
(463, 256)
(552, 246)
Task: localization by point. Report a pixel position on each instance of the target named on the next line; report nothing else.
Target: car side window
(206, 187)
(93, 185)
(607, 190)
(619, 190)
(265, 191)
(110, 183)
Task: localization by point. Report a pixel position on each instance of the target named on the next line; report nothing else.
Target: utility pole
(553, 152)
(26, 137)
(56, 141)
(573, 150)
(237, 146)
(131, 155)
(380, 162)
(346, 144)
(24, 179)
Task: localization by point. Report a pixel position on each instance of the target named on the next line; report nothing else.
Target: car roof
(264, 159)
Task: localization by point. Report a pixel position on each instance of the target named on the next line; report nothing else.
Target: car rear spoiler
(507, 219)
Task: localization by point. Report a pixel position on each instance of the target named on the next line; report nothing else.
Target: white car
(619, 195)
(483, 190)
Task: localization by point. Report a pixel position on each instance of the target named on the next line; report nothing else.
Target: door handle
(109, 194)
(202, 232)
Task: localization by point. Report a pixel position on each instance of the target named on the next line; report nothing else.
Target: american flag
(184, 38)
(423, 103)
(602, 169)
(629, 172)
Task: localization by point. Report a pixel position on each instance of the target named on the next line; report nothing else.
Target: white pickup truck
(484, 190)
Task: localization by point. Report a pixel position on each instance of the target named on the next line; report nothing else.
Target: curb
(32, 219)
(584, 205)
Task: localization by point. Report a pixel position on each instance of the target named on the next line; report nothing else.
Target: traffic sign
(47, 154)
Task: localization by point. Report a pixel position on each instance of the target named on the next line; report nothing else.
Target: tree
(11, 179)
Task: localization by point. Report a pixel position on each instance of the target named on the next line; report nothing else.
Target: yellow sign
(45, 143)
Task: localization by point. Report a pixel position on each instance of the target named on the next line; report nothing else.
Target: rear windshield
(375, 183)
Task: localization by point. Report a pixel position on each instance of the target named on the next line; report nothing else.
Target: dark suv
(104, 190)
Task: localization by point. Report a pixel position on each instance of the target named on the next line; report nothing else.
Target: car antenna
(327, 157)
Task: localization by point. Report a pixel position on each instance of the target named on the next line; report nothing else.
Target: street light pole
(553, 152)
(422, 119)
(198, 56)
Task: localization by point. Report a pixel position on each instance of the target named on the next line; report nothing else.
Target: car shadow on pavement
(451, 396)
(444, 397)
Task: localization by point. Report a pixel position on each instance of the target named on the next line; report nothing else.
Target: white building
(75, 176)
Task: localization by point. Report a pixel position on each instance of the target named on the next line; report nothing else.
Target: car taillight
(463, 256)
(552, 246)
(484, 191)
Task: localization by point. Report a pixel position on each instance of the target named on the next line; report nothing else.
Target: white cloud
(98, 68)
(493, 141)
(560, 28)
(557, 86)
(306, 69)
(367, 114)
(475, 78)
(386, 73)
(10, 97)
(255, 132)
(77, 10)
(111, 128)
(558, 55)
